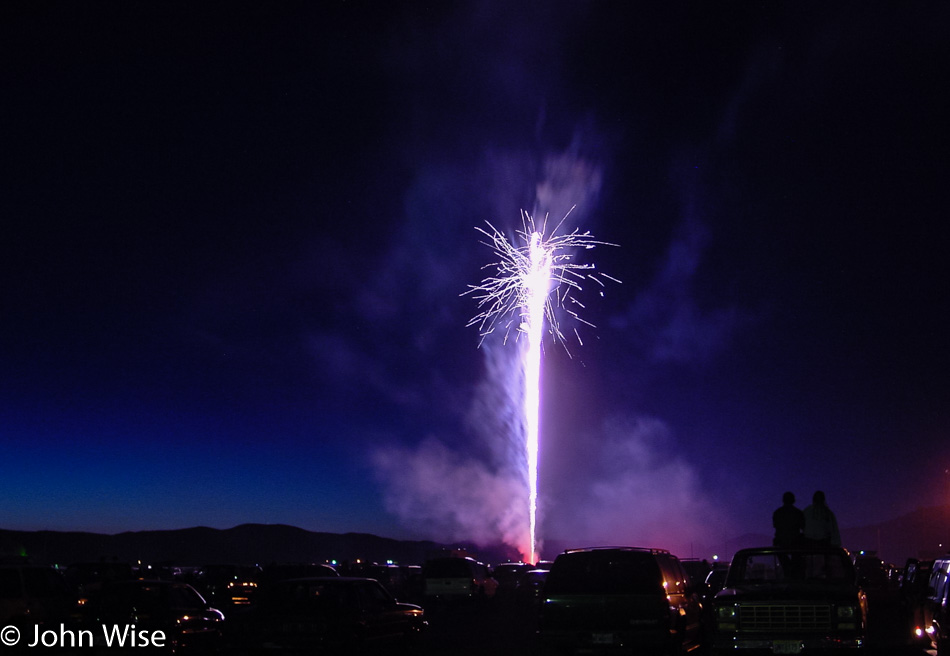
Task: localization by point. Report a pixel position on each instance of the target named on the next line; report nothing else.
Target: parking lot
(502, 623)
(508, 629)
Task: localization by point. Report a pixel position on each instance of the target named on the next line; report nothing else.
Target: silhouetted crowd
(815, 525)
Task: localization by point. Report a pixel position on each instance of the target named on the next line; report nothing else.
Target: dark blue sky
(235, 238)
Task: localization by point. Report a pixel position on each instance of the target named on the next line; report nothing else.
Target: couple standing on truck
(814, 525)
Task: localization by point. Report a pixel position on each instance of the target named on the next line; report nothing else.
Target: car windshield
(174, 596)
(448, 568)
(509, 572)
(772, 567)
(603, 572)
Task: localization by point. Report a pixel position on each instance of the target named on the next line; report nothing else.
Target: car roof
(335, 580)
(637, 549)
(820, 548)
(143, 582)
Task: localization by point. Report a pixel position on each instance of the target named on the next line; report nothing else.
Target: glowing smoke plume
(529, 283)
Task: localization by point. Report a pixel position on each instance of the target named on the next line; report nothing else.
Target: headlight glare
(847, 612)
(726, 613)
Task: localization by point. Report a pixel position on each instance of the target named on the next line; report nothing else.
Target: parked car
(715, 581)
(790, 601)
(32, 595)
(707, 590)
(412, 586)
(531, 586)
(937, 599)
(453, 579)
(283, 571)
(186, 621)
(330, 614)
(392, 577)
(872, 575)
(229, 586)
(696, 569)
(619, 598)
(509, 576)
(87, 577)
(913, 594)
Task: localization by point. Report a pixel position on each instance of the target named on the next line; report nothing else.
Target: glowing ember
(520, 291)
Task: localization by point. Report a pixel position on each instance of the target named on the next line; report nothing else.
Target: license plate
(602, 638)
(787, 647)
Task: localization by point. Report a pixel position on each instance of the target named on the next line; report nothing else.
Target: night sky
(236, 236)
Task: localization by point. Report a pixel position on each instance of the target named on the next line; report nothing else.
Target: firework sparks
(529, 283)
(505, 296)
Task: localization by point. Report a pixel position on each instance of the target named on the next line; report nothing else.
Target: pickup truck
(790, 601)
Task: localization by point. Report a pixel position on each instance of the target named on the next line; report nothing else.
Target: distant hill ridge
(923, 533)
(244, 544)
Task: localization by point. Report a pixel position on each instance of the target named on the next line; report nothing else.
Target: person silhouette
(821, 525)
(789, 523)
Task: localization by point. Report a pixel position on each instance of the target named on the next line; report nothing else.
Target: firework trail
(530, 281)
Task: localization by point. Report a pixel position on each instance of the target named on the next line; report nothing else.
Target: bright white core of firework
(529, 283)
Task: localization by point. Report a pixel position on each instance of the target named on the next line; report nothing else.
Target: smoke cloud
(450, 496)
(628, 483)
(625, 483)
(476, 490)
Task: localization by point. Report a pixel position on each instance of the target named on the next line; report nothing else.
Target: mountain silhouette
(244, 544)
(923, 533)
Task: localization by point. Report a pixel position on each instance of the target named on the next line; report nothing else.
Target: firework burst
(505, 297)
(530, 282)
